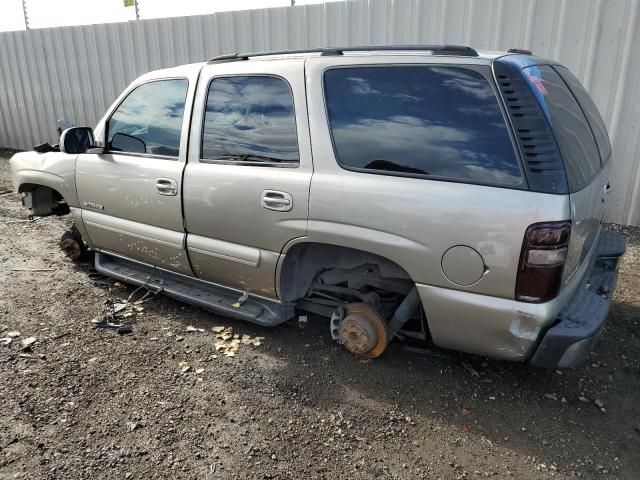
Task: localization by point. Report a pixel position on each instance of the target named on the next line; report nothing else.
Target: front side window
(572, 132)
(149, 119)
(420, 120)
(250, 119)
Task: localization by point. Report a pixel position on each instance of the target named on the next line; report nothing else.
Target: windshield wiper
(391, 166)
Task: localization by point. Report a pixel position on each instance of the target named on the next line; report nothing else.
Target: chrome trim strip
(225, 250)
(141, 231)
(222, 256)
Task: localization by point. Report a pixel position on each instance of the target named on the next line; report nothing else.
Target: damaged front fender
(51, 174)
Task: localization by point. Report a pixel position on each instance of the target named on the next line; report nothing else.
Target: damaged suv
(429, 191)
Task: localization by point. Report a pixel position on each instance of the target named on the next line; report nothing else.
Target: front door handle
(167, 186)
(275, 200)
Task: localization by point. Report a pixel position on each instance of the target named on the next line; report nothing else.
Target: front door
(246, 185)
(131, 195)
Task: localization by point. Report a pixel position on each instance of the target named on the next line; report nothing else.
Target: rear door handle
(275, 200)
(167, 186)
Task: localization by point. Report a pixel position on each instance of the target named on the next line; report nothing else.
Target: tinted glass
(152, 115)
(590, 110)
(574, 137)
(250, 119)
(441, 121)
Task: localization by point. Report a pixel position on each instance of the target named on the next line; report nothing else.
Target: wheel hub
(357, 334)
(360, 329)
(72, 245)
(71, 248)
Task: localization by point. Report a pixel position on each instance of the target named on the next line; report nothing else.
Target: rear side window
(420, 120)
(149, 119)
(250, 119)
(590, 110)
(572, 132)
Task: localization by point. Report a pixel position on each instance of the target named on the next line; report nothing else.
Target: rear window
(572, 132)
(414, 120)
(590, 110)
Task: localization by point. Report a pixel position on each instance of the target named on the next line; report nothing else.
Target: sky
(55, 13)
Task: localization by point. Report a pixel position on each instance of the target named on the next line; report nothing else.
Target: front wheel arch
(43, 200)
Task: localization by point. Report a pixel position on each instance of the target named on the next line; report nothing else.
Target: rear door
(246, 185)
(584, 144)
(131, 195)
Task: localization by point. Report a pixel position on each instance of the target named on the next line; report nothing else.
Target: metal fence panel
(76, 72)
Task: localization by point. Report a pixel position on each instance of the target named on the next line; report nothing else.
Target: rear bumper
(570, 340)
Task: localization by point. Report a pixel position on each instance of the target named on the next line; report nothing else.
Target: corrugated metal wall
(76, 72)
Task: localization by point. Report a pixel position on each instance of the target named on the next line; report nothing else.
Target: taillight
(542, 260)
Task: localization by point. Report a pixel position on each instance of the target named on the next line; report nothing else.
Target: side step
(193, 291)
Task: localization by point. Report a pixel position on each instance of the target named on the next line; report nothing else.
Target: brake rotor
(360, 329)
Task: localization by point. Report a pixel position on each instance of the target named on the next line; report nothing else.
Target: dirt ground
(89, 403)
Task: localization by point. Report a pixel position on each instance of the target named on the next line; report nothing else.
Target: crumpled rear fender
(55, 170)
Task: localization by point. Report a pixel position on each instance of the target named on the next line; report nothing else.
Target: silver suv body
(429, 191)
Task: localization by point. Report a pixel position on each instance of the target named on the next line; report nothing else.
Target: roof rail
(435, 49)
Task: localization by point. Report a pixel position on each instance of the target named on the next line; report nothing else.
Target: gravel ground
(88, 403)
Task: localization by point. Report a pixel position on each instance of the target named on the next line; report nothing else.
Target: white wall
(76, 72)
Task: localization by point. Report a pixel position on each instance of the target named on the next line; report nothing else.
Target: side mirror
(62, 125)
(76, 140)
(122, 142)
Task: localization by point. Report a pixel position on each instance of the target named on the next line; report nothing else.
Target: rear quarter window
(573, 134)
(437, 121)
(590, 110)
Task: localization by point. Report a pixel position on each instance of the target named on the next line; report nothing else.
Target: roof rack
(327, 51)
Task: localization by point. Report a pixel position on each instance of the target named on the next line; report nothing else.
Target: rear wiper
(390, 165)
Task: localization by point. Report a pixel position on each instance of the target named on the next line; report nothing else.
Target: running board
(193, 291)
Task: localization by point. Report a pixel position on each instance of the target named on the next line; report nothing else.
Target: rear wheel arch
(303, 261)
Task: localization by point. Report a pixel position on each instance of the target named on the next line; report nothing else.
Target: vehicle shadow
(584, 419)
(576, 418)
